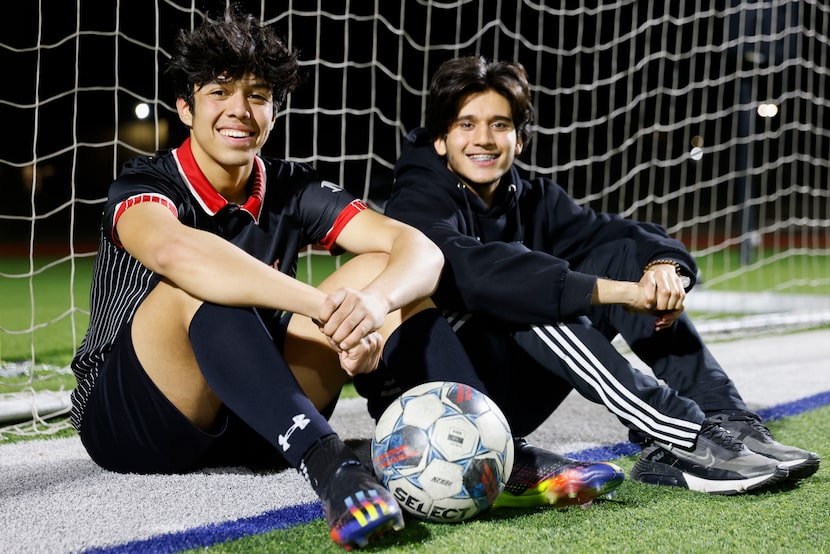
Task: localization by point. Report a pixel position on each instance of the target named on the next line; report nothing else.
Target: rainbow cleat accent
(365, 514)
(541, 478)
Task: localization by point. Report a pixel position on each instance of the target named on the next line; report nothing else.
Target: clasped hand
(661, 295)
(350, 319)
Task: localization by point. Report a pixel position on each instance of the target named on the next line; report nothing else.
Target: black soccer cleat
(358, 508)
(747, 427)
(719, 464)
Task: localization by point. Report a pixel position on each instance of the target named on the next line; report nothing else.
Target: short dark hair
(232, 47)
(458, 78)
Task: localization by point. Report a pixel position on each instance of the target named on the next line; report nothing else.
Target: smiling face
(229, 123)
(481, 144)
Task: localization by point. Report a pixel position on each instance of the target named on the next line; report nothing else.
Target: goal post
(709, 118)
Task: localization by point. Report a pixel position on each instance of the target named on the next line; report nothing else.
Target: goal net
(709, 118)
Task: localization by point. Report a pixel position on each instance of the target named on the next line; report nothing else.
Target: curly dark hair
(232, 47)
(458, 78)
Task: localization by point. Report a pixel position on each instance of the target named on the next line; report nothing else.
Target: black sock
(424, 348)
(322, 460)
(240, 362)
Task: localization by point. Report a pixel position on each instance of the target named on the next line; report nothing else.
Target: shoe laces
(712, 430)
(753, 422)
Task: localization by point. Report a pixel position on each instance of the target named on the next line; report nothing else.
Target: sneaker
(542, 478)
(358, 508)
(719, 464)
(747, 427)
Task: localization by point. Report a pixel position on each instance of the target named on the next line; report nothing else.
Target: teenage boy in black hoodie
(535, 283)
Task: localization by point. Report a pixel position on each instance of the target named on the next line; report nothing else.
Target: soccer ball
(444, 450)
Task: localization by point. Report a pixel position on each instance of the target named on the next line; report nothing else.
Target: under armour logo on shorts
(300, 422)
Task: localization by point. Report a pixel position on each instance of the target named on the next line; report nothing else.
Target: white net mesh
(709, 118)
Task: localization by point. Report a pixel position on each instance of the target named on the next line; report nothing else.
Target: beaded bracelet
(684, 279)
(661, 262)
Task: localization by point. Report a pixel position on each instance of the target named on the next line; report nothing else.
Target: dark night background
(87, 88)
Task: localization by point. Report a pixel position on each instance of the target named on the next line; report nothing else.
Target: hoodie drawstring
(517, 237)
(470, 219)
(520, 233)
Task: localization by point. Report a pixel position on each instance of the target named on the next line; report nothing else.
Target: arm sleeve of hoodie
(505, 280)
(577, 230)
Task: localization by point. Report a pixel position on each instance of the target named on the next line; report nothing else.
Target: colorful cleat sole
(577, 483)
(370, 515)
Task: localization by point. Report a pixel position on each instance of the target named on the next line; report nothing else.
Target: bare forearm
(607, 291)
(239, 279)
(212, 269)
(411, 273)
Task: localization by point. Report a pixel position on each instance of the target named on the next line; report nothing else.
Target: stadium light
(142, 110)
(697, 148)
(767, 110)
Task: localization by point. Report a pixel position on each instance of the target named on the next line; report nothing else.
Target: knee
(620, 248)
(167, 304)
(617, 259)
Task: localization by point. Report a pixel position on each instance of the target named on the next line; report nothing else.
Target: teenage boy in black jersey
(189, 360)
(534, 280)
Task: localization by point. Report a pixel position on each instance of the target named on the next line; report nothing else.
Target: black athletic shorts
(129, 426)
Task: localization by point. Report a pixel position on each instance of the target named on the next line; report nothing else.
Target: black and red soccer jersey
(289, 207)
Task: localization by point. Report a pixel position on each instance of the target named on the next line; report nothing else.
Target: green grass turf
(640, 518)
(47, 302)
(793, 274)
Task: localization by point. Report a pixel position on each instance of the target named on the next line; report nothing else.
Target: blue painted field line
(796, 407)
(216, 533)
(284, 518)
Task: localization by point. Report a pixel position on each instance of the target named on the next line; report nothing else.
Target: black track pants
(579, 354)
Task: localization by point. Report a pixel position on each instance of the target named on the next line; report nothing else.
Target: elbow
(170, 257)
(436, 258)
(433, 263)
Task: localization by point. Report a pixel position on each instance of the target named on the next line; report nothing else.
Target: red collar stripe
(210, 200)
(253, 205)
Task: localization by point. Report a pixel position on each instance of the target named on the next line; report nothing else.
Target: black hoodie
(512, 261)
